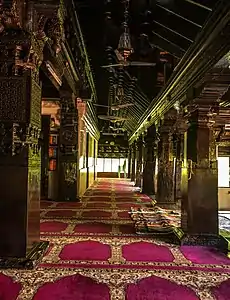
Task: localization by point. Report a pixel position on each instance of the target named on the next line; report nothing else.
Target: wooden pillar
(200, 200)
(20, 157)
(133, 166)
(165, 175)
(68, 159)
(129, 162)
(178, 164)
(139, 168)
(148, 186)
(181, 173)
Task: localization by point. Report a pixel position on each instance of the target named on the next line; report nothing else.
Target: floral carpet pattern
(95, 254)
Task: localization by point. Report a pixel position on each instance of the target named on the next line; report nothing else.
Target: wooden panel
(82, 181)
(224, 198)
(91, 175)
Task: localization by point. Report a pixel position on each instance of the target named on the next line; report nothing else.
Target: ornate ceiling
(161, 32)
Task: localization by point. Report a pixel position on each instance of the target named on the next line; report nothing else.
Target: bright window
(223, 171)
(100, 164)
(108, 165)
(115, 164)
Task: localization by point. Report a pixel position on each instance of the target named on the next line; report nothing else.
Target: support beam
(175, 32)
(139, 167)
(168, 41)
(129, 163)
(20, 157)
(68, 159)
(199, 5)
(148, 185)
(200, 203)
(200, 194)
(179, 16)
(133, 166)
(165, 175)
(210, 46)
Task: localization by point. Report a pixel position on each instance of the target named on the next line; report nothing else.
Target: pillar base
(29, 262)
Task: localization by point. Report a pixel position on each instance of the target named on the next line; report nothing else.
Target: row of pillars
(176, 163)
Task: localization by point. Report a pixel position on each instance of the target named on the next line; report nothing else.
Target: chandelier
(124, 46)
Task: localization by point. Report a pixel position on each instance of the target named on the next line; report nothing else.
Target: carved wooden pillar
(181, 127)
(20, 158)
(129, 162)
(177, 140)
(200, 203)
(165, 175)
(68, 160)
(133, 166)
(139, 168)
(149, 162)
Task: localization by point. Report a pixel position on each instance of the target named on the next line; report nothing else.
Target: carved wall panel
(35, 104)
(13, 99)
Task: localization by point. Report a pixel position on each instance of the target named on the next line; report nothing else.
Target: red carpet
(222, 292)
(86, 250)
(155, 288)
(147, 252)
(9, 290)
(74, 288)
(93, 228)
(53, 226)
(95, 254)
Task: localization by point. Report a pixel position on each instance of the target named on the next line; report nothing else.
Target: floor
(94, 254)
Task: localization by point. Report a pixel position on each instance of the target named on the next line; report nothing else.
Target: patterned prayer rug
(95, 254)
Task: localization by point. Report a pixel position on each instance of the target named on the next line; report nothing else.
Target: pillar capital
(202, 115)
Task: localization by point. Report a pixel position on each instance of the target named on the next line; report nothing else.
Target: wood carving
(10, 15)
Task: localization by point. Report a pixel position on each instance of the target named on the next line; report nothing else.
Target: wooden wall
(87, 162)
(91, 160)
(82, 181)
(87, 151)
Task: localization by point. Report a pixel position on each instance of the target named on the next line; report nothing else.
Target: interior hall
(115, 149)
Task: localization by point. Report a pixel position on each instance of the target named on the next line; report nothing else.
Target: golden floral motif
(78, 213)
(69, 229)
(73, 221)
(178, 256)
(115, 229)
(117, 279)
(116, 244)
(116, 257)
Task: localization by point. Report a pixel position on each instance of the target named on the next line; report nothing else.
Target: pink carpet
(45, 204)
(142, 267)
(155, 288)
(69, 205)
(75, 287)
(101, 193)
(127, 229)
(124, 214)
(61, 213)
(96, 214)
(204, 255)
(222, 292)
(100, 199)
(98, 205)
(143, 251)
(9, 290)
(53, 226)
(93, 228)
(125, 200)
(86, 250)
(128, 205)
